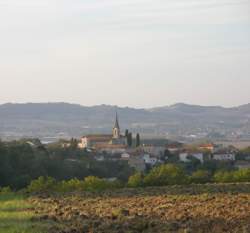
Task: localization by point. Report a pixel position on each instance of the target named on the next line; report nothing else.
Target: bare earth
(157, 210)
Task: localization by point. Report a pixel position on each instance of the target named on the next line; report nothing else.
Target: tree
(130, 139)
(242, 175)
(135, 180)
(42, 184)
(223, 177)
(126, 133)
(243, 154)
(167, 174)
(193, 163)
(73, 143)
(138, 140)
(200, 177)
(170, 157)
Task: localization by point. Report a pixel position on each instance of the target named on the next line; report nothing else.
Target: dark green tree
(130, 139)
(138, 140)
(170, 157)
(73, 143)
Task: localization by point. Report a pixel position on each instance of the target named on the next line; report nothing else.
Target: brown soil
(151, 211)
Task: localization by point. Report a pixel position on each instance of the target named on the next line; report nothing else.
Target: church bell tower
(116, 129)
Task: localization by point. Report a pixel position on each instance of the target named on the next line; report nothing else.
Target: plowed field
(207, 208)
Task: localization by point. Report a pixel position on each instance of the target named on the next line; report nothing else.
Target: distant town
(142, 154)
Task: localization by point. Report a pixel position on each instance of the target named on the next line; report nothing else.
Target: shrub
(167, 174)
(70, 185)
(5, 190)
(135, 180)
(42, 184)
(242, 175)
(92, 183)
(224, 177)
(200, 177)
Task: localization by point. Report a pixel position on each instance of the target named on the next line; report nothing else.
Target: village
(141, 156)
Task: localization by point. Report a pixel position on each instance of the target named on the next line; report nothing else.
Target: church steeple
(116, 129)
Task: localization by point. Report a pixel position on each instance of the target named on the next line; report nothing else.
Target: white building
(125, 156)
(154, 150)
(90, 141)
(150, 160)
(99, 158)
(111, 149)
(173, 149)
(224, 157)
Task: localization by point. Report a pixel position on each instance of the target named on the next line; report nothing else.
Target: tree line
(131, 141)
(164, 175)
(21, 162)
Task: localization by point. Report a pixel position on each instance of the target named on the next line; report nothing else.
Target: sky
(138, 53)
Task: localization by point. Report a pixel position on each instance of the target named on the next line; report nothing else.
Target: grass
(16, 215)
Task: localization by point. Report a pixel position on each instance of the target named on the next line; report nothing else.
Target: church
(102, 141)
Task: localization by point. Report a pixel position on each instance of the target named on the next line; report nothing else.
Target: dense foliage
(24, 161)
(163, 175)
(90, 183)
(168, 174)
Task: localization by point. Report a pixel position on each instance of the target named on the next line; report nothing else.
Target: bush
(135, 180)
(5, 190)
(242, 175)
(70, 185)
(200, 177)
(224, 177)
(42, 184)
(167, 174)
(92, 183)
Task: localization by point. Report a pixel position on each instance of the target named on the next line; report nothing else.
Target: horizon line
(123, 106)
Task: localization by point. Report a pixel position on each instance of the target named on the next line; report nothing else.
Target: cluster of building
(109, 143)
(115, 147)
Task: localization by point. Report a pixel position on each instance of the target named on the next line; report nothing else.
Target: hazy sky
(137, 53)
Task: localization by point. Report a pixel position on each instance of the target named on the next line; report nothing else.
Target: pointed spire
(116, 129)
(116, 121)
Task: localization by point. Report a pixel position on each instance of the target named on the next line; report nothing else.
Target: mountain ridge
(74, 120)
(178, 104)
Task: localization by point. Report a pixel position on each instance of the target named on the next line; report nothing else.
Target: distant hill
(68, 120)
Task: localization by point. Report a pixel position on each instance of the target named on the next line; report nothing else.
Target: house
(90, 141)
(174, 147)
(154, 150)
(110, 148)
(150, 160)
(208, 147)
(185, 156)
(224, 156)
(125, 156)
(99, 158)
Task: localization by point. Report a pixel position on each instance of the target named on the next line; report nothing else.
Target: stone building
(102, 141)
